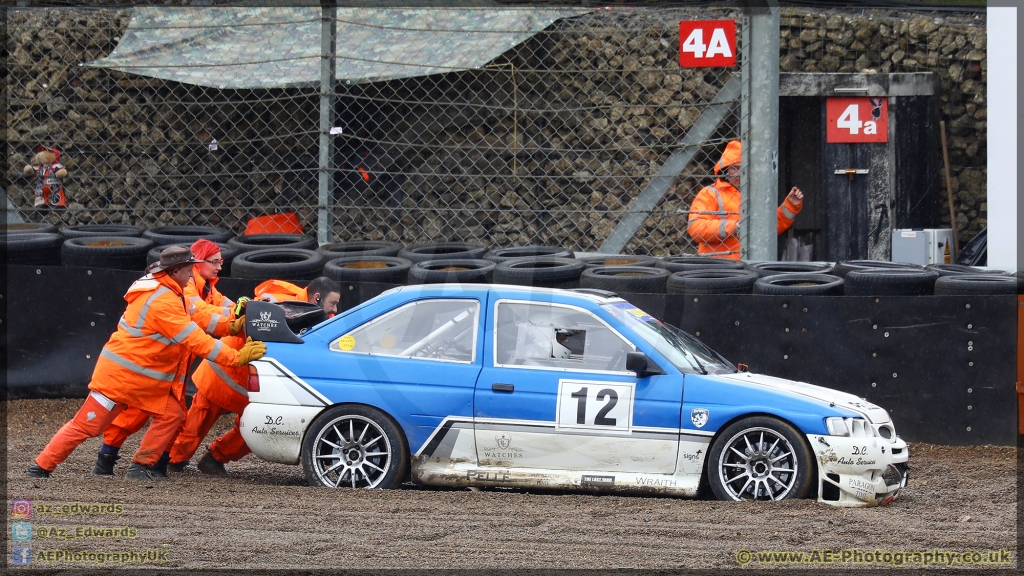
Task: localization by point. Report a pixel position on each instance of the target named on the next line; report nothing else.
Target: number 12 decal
(595, 405)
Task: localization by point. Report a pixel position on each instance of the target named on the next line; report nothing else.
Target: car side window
(436, 329)
(548, 335)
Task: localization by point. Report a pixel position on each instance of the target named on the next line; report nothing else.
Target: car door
(418, 362)
(554, 393)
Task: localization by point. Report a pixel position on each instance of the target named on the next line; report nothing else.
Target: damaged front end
(860, 463)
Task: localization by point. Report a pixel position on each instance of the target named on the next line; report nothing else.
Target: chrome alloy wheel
(351, 451)
(758, 464)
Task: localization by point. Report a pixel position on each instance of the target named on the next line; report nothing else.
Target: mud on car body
(510, 386)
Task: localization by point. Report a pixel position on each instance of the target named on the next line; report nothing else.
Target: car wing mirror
(641, 365)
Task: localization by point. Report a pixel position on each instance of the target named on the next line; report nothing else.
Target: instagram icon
(21, 508)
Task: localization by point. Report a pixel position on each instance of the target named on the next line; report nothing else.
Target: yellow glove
(240, 306)
(237, 325)
(253, 350)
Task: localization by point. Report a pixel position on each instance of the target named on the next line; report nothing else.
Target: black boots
(140, 473)
(104, 465)
(36, 471)
(177, 466)
(160, 468)
(209, 465)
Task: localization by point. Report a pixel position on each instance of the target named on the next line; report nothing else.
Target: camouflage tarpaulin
(280, 47)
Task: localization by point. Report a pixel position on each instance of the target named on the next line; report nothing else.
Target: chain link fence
(548, 143)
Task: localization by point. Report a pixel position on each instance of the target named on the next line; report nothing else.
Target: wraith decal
(699, 417)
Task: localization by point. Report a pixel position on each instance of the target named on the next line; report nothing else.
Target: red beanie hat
(202, 249)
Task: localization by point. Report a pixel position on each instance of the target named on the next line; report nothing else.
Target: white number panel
(595, 405)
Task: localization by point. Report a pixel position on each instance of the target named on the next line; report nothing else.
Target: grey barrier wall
(943, 366)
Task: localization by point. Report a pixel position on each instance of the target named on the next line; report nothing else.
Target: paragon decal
(591, 480)
(864, 485)
(699, 417)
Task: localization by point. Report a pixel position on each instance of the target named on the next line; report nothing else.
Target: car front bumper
(859, 472)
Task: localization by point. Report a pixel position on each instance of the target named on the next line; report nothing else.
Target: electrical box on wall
(923, 246)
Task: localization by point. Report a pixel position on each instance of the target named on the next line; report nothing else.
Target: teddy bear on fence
(45, 164)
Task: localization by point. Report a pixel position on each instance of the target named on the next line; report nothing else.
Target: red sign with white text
(707, 43)
(857, 120)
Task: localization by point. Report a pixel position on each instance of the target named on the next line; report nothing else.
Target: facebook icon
(21, 554)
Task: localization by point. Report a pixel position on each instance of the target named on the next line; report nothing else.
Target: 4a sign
(707, 43)
(857, 120)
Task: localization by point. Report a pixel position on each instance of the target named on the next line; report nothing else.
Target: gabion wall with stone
(950, 44)
(547, 144)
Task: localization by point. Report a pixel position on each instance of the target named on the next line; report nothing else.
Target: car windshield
(681, 349)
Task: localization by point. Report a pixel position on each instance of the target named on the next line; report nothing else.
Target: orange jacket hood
(733, 155)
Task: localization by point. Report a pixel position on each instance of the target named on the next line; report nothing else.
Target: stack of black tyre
(365, 261)
(284, 256)
(538, 266)
(448, 262)
(32, 244)
(113, 246)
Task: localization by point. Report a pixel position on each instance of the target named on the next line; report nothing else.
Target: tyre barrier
(773, 268)
(631, 279)
(114, 252)
(227, 252)
(540, 271)
(283, 263)
(690, 263)
(166, 235)
(844, 267)
(360, 248)
(108, 230)
(890, 282)
(380, 269)
(504, 254)
(443, 250)
(951, 269)
(451, 271)
(33, 248)
(712, 282)
(29, 228)
(250, 242)
(972, 284)
(620, 260)
(795, 284)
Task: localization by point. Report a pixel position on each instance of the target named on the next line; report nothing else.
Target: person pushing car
(211, 311)
(715, 213)
(322, 291)
(141, 364)
(222, 390)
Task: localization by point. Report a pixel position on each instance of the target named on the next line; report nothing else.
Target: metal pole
(760, 155)
(328, 41)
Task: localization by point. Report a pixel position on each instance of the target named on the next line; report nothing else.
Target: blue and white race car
(510, 386)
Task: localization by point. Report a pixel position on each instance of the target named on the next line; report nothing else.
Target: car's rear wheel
(760, 458)
(354, 446)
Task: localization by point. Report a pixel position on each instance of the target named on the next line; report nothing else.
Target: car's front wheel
(760, 458)
(354, 446)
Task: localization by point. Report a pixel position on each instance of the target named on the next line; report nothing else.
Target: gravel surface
(265, 516)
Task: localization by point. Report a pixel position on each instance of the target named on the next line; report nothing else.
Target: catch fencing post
(760, 184)
(328, 41)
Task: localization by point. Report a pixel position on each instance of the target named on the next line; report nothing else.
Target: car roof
(504, 291)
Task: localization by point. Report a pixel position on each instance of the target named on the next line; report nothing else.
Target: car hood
(874, 414)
